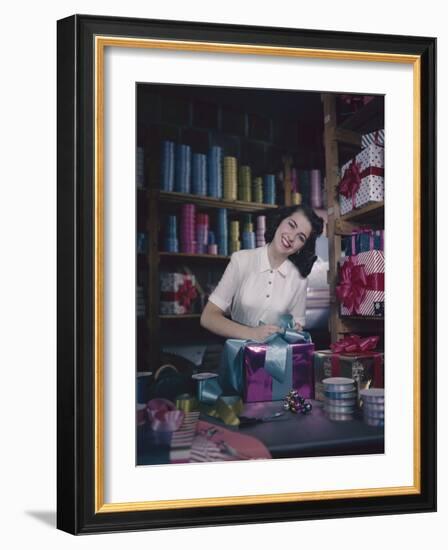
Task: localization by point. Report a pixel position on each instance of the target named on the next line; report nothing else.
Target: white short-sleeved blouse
(251, 291)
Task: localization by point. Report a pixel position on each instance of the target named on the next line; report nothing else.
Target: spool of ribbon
(278, 358)
(213, 403)
(186, 403)
(163, 415)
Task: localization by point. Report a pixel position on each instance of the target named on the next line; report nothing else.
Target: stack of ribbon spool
(257, 190)
(202, 223)
(182, 170)
(373, 406)
(248, 233)
(339, 398)
(305, 185)
(230, 178)
(316, 188)
(235, 243)
(199, 174)
(167, 166)
(261, 230)
(269, 189)
(187, 229)
(214, 165)
(244, 187)
(296, 197)
(223, 249)
(171, 243)
(212, 247)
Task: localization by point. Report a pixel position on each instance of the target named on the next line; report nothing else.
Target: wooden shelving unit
(210, 202)
(368, 118)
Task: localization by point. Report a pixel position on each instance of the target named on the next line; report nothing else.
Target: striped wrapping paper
(376, 138)
(373, 303)
(182, 439)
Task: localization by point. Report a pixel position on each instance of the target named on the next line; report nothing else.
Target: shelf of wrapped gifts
(181, 255)
(210, 202)
(372, 214)
(181, 316)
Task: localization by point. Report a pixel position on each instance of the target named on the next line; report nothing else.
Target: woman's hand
(259, 334)
(298, 327)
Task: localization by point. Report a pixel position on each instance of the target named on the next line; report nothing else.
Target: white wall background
(28, 271)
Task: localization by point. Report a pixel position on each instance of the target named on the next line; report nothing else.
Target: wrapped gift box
(361, 284)
(362, 179)
(363, 240)
(177, 293)
(366, 368)
(259, 385)
(376, 138)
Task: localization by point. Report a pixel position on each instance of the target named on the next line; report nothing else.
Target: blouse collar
(265, 265)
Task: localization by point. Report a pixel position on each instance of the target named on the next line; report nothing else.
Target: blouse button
(270, 282)
(267, 295)
(272, 271)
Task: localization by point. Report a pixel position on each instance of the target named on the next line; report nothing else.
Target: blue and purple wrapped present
(267, 371)
(363, 240)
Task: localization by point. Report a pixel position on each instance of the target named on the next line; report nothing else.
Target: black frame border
(75, 269)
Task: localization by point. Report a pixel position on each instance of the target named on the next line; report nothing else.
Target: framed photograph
(246, 274)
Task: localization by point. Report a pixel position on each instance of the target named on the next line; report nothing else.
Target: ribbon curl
(163, 415)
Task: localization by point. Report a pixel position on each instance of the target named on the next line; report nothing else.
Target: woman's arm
(213, 319)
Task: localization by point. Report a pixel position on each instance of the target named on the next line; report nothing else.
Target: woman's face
(292, 233)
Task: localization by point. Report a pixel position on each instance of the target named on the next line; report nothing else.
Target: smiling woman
(261, 284)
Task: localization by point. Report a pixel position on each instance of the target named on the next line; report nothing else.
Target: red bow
(353, 286)
(186, 293)
(355, 344)
(351, 181)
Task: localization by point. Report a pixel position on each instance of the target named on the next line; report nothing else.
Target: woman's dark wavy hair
(305, 258)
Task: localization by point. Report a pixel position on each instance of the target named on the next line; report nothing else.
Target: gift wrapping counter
(290, 435)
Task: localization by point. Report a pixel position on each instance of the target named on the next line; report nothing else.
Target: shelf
(210, 202)
(366, 119)
(186, 316)
(180, 255)
(361, 318)
(372, 213)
